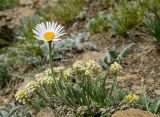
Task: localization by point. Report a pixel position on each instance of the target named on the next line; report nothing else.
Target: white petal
(60, 35)
(57, 28)
(36, 32)
(50, 26)
(55, 40)
(58, 31)
(54, 27)
(37, 37)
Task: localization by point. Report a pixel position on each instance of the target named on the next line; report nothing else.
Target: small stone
(150, 81)
(137, 89)
(157, 92)
(47, 112)
(102, 110)
(26, 2)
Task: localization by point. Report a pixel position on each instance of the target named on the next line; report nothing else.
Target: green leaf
(157, 107)
(124, 51)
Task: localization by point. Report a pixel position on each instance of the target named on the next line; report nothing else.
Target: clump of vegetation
(154, 27)
(154, 23)
(11, 110)
(147, 104)
(98, 24)
(127, 18)
(114, 55)
(150, 104)
(82, 86)
(4, 75)
(31, 45)
(5, 4)
(87, 88)
(64, 11)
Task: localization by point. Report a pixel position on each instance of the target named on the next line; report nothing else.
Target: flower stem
(113, 87)
(33, 105)
(50, 60)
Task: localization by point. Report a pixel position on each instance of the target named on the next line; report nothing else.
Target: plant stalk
(50, 61)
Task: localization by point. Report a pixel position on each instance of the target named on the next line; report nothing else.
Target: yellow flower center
(49, 36)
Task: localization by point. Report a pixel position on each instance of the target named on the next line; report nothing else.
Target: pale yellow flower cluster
(46, 72)
(92, 68)
(115, 67)
(49, 80)
(44, 80)
(41, 79)
(41, 75)
(59, 69)
(32, 86)
(22, 96)
(78, 65)
(131, 98)
(67, 73)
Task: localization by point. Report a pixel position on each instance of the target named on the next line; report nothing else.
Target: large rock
(133, 113)
(6, 32)
(8, 21)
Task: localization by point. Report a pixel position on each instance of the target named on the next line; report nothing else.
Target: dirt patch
(133, 113)
(47, 112)
(91, 55)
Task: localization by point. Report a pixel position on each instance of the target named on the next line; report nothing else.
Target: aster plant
(82, 86)
(49, 32)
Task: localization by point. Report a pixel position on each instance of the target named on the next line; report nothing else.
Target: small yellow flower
(131, 98)
(115, 67)
(22, 96)
(32, 86)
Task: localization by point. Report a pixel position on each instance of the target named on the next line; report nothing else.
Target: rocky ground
(47, 112)
(140, 67)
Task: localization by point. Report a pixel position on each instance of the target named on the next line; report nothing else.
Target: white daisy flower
(49, 31)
